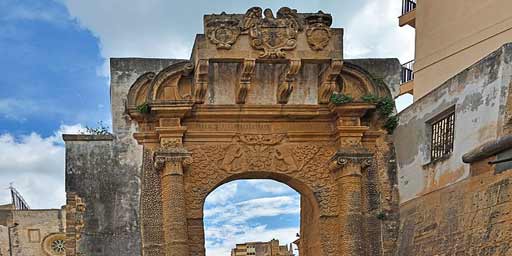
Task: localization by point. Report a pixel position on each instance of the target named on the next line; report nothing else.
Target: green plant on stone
(101, 129)
(370, 98)
(391, 124)
(385, 106)
(340, 99)
(381, 216)
(144, 108)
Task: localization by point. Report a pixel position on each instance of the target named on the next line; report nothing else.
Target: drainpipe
(9, 235)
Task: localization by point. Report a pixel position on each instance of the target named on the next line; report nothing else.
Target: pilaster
(347, 166)
(169, 163)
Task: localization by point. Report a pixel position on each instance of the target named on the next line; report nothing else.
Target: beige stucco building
(453, 35)
(271, 248)
(454, 143)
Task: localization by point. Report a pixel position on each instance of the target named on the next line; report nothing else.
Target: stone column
(169, 161)
(348, 168)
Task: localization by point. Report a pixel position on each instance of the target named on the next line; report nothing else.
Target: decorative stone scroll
(223, 30)
(350, 157)
(201, 80)
(285, 88)
(318, 32)
(272, 35)
(169, 155)
(328, 81)
(248, 66)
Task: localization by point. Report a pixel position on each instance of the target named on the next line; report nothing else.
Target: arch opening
(260, 207)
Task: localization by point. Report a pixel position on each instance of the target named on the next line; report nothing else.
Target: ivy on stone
(385, 107)
(144, 108)
(340, 99)
(391, 124)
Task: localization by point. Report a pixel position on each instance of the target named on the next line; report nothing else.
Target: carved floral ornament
(273, 35)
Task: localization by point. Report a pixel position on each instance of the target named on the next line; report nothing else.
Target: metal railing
(407, 73)
(408, 5)
(17, 200)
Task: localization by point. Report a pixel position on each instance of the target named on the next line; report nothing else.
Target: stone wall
(4, 241)
(450, 207)
(105, 170)
(472, 217)
(478, 96)
(28, 231)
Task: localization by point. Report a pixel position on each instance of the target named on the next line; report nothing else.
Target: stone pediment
(260, 34)
(259, 58)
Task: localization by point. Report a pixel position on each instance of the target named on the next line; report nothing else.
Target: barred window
(443, 131)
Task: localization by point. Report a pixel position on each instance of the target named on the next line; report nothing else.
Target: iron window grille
(443, 133)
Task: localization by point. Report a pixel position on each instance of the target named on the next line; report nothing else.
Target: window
(443, 130)
(34, 236)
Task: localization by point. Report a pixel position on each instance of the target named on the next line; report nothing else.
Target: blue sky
(54, 61)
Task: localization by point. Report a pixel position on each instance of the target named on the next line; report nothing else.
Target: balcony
(407, 78)
(408, 13)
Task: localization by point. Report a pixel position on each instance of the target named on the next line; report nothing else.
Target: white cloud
(166, 29)
(373, 32)
(222, 194)
(403, 102)
(246, 210)
(35, 165)
(228, 223)
(269, 186)
(226, 237)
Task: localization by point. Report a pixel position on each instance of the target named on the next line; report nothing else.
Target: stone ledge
(87, 137)
(488, 149)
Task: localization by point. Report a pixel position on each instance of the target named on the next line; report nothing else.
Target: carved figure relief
(272, 35)
(318, 32)
(223, 30)
(213, 163)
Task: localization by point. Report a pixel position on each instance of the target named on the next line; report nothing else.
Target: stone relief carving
(328, 81)
(223, 30)
(286, 87)
(201, 80)
(211, 164)
(272, 35)
(342, 159)
(248, 67)
(318, 32)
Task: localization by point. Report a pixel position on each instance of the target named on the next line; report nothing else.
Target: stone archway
(309, 205)
(245, 105)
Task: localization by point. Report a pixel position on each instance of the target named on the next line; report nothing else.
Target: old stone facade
(254, 101)
(270, 248)
(459, 204)
(32, 232)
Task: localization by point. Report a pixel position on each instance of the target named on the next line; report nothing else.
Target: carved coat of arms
(223, 30)
(272, 35)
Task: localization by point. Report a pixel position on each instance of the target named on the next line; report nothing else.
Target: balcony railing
(407, 73)
(408, 5)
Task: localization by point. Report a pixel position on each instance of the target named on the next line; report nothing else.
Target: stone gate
(256, 101)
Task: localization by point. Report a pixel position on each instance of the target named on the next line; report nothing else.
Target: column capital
(174, 157)
(350, 162)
